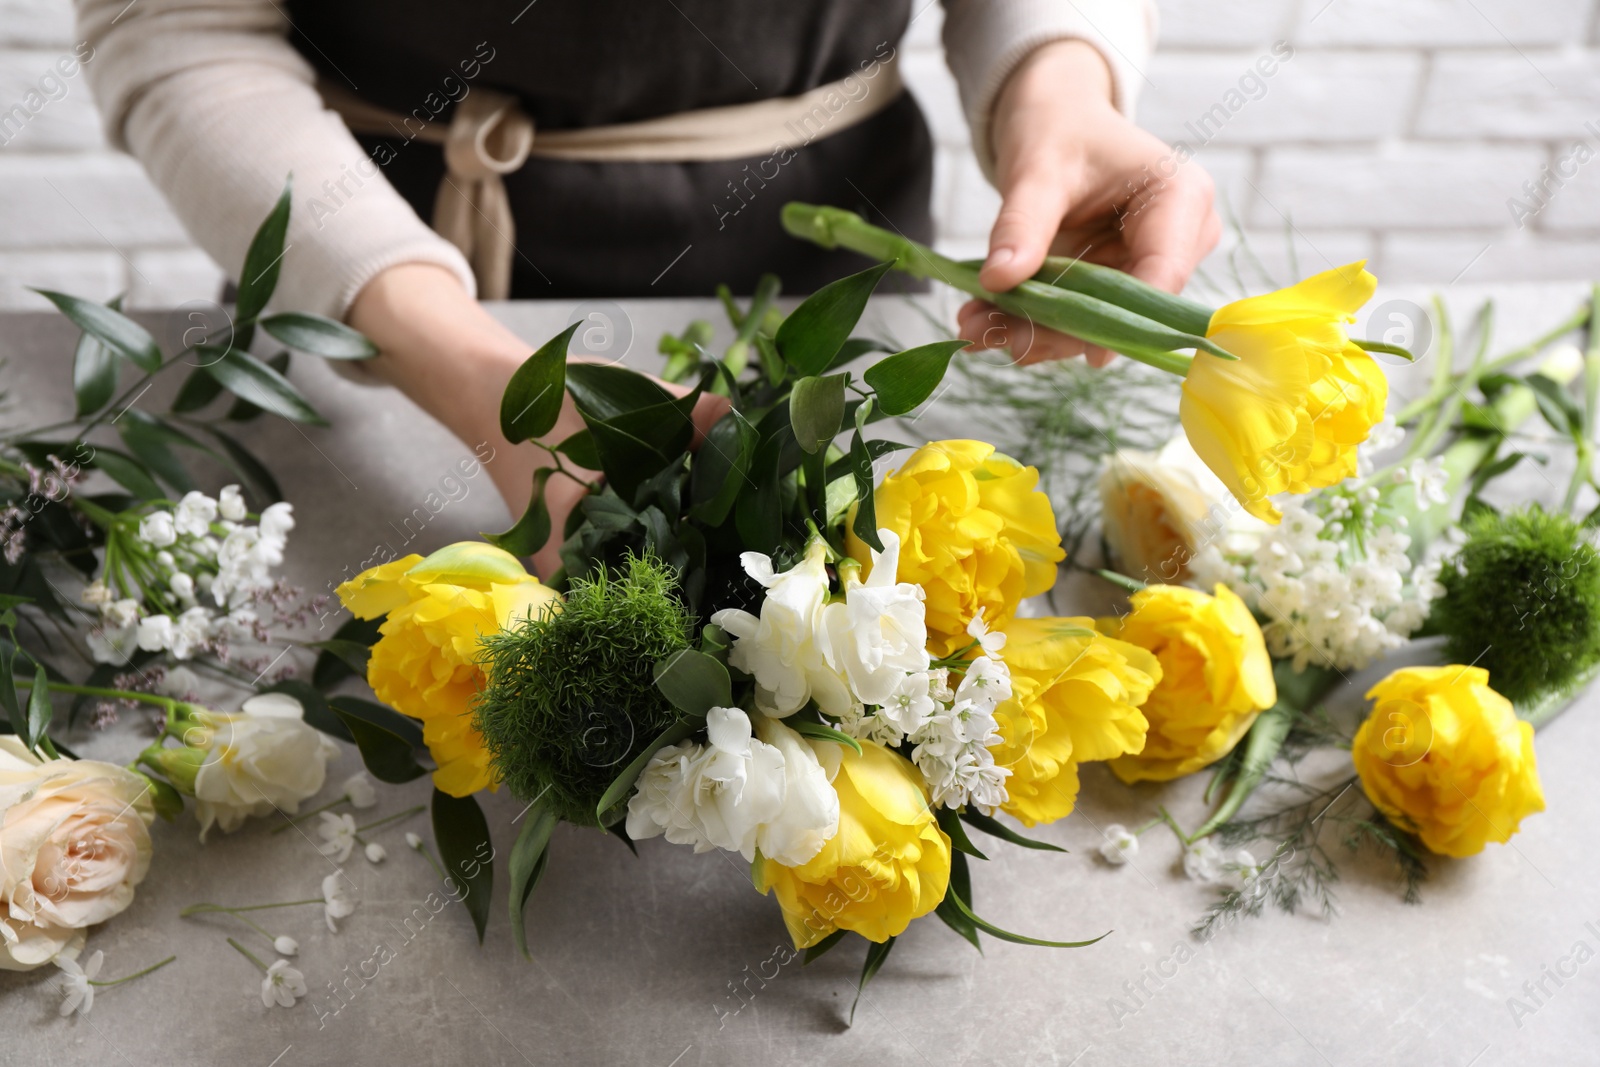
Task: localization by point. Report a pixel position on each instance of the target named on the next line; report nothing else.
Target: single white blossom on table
(282, 985)
(230, 504)
(338, 833)
(285, 945)
(785, 647)
(359, 790)
(337, 903)
(1120, 845)
(265, 759)
(77, 993)
(376, 853)
(737, 792)
(414, 840)
(74, 842)
(1203, 862)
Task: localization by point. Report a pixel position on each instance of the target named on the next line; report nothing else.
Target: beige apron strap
(489, 137)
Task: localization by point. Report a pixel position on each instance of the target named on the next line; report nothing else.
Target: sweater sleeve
(985, 40)
(210, 96)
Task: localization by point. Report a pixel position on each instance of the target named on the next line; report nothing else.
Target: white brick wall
(1398, 131)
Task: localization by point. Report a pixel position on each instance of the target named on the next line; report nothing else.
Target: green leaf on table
(94, 370)
(877, 952)
(247, 378)
(995, 828)
(262, 263)
(1006, 935)
(694, 682)
(388, 740)
(318, 335)
(605, 390)
(866, 521)
(127, 472)
(622, 784)
(530, 532)
(465, 849)
(823, 946)
(816, 408)
(820, 732)
(813, 333)
(960, 885)
(906, 379)
(112, 328)
(722, 468)
(950, 823)
(532, 400)
(528, 858)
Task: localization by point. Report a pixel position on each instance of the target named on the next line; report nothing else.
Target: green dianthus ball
(571, 697)
(1523, 601)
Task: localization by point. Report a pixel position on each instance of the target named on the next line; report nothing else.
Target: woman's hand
(453, 359)
(1078, 179)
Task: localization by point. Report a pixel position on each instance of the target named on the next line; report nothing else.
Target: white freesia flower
(785, 648)
(810, 814)
(736, 793)
(158, 530)
(414, 840)
(878, 634)
(338, 833)
(194, 514)
(376, 853)
(337, 902)
(74, 842)
(1120, 845)
(230, 504)
(359, 790)
(285, 945)
(77, 995)
(282, 985)
(264, 759)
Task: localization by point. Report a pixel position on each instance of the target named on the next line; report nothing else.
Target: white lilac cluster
(188, 576)
(1336, 579)
(862, 657)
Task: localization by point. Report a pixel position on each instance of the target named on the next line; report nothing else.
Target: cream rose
(74, 841)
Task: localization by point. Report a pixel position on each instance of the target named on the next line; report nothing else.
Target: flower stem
(200, 909)
(423, 848)
(247, 954)
(136, 974)
(303, 816)
(391, 818)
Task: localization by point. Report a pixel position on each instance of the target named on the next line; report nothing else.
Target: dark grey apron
(640, 229)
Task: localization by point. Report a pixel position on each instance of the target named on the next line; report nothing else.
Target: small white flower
(166, 559)
(414, 840)
(191, 633)
(157, 529)
(286, 945)
(359, 790)
(336, 900)
(1120, 845)
(1431, 480)
(1203, 863)
(155, 633)
(338, 833)
(376, 853)
(77, 993)
(182, 586)
(96, 594)
(194, 514)
(230, 504)
(991, 641)
(277, 520)
(987, 682)
(282, 985)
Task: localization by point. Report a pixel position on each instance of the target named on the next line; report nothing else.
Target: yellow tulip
(1445, 757)
(1288, 414)
(888, 864)
(1074, 698)
(1216, 678)
(426, 663)
(975, 533)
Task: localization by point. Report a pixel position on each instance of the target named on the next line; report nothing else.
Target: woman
(588, 148)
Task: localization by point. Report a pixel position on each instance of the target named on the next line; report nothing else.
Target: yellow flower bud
(1075, 698)
(426, 663)
(975, 533)
(1288, 414)
(888, 864)
(1216, 678)
(1445, 757)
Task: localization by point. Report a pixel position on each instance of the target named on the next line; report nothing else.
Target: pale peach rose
(74, 841)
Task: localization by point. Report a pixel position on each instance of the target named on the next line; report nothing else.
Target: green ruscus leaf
(532, 401)
(462, 834)
(815, 331)
(906, 379)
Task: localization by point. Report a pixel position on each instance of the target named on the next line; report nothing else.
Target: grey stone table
(671, 960)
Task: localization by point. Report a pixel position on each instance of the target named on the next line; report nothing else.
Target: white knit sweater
(210, 96)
